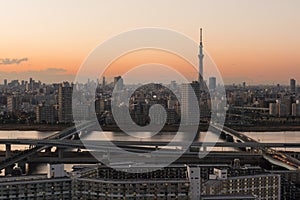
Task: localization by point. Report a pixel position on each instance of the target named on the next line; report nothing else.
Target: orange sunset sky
(257, 41)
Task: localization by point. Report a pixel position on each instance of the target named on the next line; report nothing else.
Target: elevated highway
(270, 154)
(10, 160)
(90, 144)
(84, 157)
(62, 140)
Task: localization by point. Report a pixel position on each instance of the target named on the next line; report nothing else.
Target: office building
(45, 114)
(189, 102)
(65, 104)
(212, 83)
(244, 85)
(13, 104)
(103, 81)
(118, 83)
(293, 86)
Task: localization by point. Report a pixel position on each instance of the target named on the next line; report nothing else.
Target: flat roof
(211, 197)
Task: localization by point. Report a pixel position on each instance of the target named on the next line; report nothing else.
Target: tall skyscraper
(31, 83)
(190, 93)
(201, 56)
(65, 104)
(103, 81)
(118, 83)
(5, 82)
(244, 85)
(212, 83)
(13, 103)
(293, 86)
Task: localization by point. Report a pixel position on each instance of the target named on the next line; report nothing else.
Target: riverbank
(33, 127)
(273, 128)
(171, 128)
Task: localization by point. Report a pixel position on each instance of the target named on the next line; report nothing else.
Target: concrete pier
(8, 170)
(60, 153)
(7, 150)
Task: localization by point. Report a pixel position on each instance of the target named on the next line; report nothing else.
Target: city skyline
(168, 82)
(244, 50)
(143, 100)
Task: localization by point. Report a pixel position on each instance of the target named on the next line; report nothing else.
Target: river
(286, 137)
(274, 137)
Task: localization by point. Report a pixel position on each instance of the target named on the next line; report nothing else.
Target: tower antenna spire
(200, 36)
(200, 56)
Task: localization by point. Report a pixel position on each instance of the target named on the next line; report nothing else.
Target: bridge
(62, 140)
(103, 144)
(84, 157)
(11, 160)
(270, 154)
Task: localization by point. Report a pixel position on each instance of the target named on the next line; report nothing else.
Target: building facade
(65, 104)
(262, 186)
(46, 114)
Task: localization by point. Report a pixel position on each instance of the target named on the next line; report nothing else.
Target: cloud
(56, 69)
(9, 61)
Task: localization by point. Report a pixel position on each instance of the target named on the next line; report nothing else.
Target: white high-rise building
(189, 103)
(118, 83)
(212, 83)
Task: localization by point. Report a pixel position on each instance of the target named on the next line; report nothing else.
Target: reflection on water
(22, 135)
(146, 136)
(277, 137)
(161, 137)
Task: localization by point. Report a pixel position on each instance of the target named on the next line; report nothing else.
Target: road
(273, 156)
